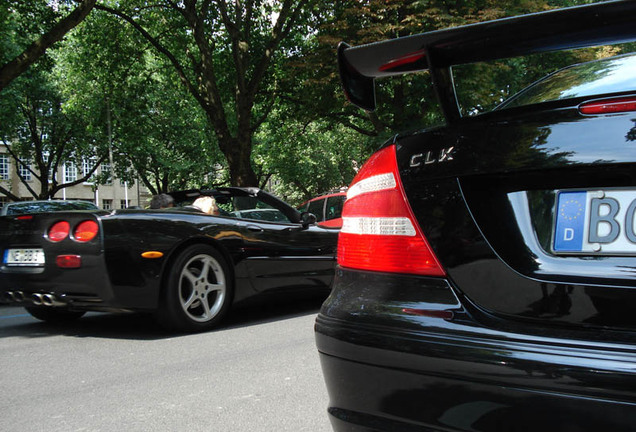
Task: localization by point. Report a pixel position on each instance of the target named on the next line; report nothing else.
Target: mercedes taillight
(379, 230)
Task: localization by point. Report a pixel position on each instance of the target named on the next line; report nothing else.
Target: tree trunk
(238, 154)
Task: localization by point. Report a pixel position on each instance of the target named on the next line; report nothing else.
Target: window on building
(124, 203)
(3, 201)
(106, 170)
(107, 204)
(25, 170)
(87, 164)
(4, 167)
(70, 172)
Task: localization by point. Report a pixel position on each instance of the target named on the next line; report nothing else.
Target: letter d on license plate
(595, 222)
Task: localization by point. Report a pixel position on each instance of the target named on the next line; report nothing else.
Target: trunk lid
(486, 194)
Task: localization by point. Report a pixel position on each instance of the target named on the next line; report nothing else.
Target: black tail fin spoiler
(576, 27)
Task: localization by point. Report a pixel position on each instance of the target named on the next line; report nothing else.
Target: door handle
(254, 228)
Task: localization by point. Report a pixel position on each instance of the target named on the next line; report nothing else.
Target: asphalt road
(110, 372)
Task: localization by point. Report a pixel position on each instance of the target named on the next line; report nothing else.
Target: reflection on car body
(493, 290)
(45, 206)
(186, 266)
(272, 215)
(327, 208)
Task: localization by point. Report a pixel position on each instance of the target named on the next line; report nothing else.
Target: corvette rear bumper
(387, 369)
(72, 289)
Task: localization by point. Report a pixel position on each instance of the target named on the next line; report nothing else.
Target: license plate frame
(24, 257)
(595, 222)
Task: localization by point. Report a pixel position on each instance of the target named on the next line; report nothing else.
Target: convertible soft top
(568, 28)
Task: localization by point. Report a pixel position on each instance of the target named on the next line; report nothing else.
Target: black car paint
(114, 275)
(515, 337)
(243, 242)
(479, 217)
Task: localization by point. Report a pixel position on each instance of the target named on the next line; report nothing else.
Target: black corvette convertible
(486, 275)
(186, 266)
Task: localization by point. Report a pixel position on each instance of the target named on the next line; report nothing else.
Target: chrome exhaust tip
(8, 296)
(18, 296)
(47, 299)
(37, 299)
(51, 300)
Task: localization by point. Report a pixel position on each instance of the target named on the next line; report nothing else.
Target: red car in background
(327, 208)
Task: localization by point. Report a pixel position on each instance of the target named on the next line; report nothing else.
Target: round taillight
(59, 231)
(86, 231)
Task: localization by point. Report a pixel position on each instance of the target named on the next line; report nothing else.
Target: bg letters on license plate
(595, 222)
(24, 257)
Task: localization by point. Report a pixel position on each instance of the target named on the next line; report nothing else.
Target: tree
(134, 101)
(16, 66)
(222, 53)
(41, 137)
(167, 141)
(308, 159)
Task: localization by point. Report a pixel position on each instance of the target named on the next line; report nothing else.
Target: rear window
(610, 75)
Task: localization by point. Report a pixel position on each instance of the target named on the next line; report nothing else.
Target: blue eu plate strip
(570, 222)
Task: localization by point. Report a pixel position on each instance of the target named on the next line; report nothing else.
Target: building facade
(115, 194)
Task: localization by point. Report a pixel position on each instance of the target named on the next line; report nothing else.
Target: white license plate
(600, 222)
(24, 257)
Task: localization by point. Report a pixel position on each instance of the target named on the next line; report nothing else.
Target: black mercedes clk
(486, 274)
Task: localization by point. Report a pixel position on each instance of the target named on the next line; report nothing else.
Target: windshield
(612, 75)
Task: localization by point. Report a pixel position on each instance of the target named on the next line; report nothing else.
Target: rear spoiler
(567, 28)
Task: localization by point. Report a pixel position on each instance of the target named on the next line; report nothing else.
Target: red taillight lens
(59, 231)
(609, 106)
(379, 230)
(86, 231)
(68, 261)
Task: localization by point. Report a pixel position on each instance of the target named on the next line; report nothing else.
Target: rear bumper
(388, 369)
(76, 289)
(85, 288)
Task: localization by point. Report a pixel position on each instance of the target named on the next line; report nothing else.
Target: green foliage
(20, 23)
(137, 106)
(309, 159)
(23, 21)
(233, 91)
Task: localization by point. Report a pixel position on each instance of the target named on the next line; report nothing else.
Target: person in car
(161, 201)
(207, 205)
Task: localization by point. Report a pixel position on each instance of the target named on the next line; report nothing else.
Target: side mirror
(307, 219)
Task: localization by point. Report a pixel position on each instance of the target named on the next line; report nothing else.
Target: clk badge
(430, 157)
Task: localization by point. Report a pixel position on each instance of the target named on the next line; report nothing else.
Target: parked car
(327, 208)
(186, 266)
(486, 275)
(30, 207)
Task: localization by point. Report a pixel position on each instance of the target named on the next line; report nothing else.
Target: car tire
(54, 315)
(198, 290)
